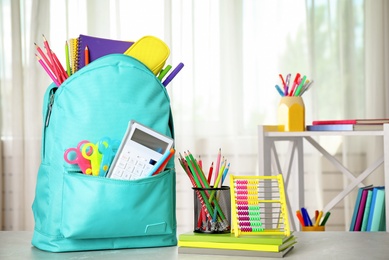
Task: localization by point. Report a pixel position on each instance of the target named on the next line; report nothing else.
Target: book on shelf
(376, 221)
(356, 207)
(351, 121)
(346, 127)
(361, 210)
(233, 252)
(230, 238)
(367, 210)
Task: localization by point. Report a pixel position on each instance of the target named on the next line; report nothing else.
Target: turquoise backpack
(74, 211)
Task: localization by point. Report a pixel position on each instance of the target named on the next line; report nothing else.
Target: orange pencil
(86, 54)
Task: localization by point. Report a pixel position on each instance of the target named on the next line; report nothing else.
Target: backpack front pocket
(95, 207)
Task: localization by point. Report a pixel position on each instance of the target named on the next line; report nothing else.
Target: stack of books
(348, 125)
(369, 210)
(227, 244)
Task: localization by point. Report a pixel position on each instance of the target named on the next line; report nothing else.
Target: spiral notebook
(98, 47)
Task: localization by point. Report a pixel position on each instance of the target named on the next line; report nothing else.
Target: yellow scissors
(90, 151)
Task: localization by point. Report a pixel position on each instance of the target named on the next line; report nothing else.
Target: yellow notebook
(239, 246)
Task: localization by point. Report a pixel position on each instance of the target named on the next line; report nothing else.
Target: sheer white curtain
(233, 51)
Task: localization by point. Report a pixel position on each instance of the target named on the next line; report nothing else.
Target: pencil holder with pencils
(212, 210)
(291, 114)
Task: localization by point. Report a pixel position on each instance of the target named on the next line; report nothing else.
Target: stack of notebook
(348, 125)
(228, 244)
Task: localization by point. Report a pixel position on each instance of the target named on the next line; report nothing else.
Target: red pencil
(210, 173)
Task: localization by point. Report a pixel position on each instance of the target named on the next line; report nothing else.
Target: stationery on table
(227, 243)
(258, 209)
(213, 216)
(309, 224)
(297, 88)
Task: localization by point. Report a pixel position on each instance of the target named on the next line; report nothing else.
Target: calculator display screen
(149, 141)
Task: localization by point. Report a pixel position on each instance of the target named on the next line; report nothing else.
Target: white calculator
(140, 149)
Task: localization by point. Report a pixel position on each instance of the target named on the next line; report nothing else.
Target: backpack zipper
(49, 108)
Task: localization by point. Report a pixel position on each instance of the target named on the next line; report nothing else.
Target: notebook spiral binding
(77, 50)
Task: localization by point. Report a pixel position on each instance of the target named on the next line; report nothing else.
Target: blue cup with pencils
(315, 224)
(212, 210)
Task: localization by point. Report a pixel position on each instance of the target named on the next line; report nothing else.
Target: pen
(300, 218)
(298, 90)
(287, 84)
(160, 161)
(325, 218)
(280, 91)
(173, 74)
(307, 219)
(320, 214)
(283, 81)
(164, 72)
(291, 93)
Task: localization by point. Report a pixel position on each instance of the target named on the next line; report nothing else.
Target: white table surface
(310, 245)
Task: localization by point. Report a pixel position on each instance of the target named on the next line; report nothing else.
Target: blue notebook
(375, 208)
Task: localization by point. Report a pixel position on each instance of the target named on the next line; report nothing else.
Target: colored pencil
(86, 54)
(47, 70)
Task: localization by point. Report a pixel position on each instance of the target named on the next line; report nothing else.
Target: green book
(378, 221)
(230, 238)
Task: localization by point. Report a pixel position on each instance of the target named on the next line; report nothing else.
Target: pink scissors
(83, 163)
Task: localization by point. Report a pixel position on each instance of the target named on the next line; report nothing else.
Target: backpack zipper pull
(49, 108)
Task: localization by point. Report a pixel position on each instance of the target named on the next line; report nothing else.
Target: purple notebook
(98, 47)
